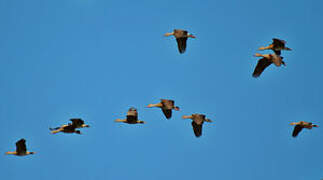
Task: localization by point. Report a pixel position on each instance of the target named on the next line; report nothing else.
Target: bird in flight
(21, 149)
(265, 61)
(181, 38)
(132, 117)
(299, 126)
(166, 105)
(197, 123)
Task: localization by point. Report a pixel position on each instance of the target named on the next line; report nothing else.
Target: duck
(166, 105)
(181, 38)
(276, 46)
(21, 149)
(198, 120)
(132, 117)
(300, 125)
(69, 128)
(265, 61)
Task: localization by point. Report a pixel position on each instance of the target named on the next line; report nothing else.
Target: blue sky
(94, 59)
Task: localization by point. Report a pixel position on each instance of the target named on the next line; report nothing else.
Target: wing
(21, 146)
(77, 121)
(278, 52)
(197, 129)
(167, 113)
(279, 42)
(181, 43)
(297, 129)
(261, 66)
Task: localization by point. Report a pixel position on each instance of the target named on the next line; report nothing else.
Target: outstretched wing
(77, 122)
(197, 129)
(279, 42)
(181, 43)
(297, 129)
(261, 66)
(21, 146)
(167, 113)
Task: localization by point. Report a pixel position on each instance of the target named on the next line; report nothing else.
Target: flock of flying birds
(167, 105)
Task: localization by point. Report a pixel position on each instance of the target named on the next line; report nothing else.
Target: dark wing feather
(167, 113)
(21, 146)
(197, 129)
(181, 43)
(77, 121)
(278, 52)
(297, 129)
(261, 66)
(278, 42)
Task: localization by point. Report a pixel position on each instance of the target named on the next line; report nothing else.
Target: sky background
(94, 59)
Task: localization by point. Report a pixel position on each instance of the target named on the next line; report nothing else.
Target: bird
(198, 120)
(78, 123)
(181, 38)
(276, 46)
(300, 125)
(265, 61)
(166, 105)
(132, 117)
(69, 128)
(21, 149)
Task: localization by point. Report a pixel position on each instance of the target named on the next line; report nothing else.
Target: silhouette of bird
(300, 125)
(276, 46)
(198, 120)
(21, 149)
(181, 38)
(132, 117)
(166, 105)
(265, 61)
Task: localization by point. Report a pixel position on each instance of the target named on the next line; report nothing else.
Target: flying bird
(300, 125)
(69, 128)
(166, 105)
(21, 149)
(276, 46)
(132, 117)
(265, 61)
(181, 38)
(198, 120)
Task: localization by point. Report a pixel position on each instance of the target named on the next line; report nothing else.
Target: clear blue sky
(94, 59)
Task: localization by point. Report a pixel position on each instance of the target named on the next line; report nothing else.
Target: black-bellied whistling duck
(181, 38)
(21, 149)
(132, 117)
(69, 128)
(276, 46)
(166, 105)
(265, 61)
(300, 125)
(198, 120)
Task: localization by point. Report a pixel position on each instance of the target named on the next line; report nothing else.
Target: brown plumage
(265, 61)
(181, 38)
(197, 123)
(276, 46)
(132, 117)
(300, 125)
(166, 105)
(21, 149)
(69, 128)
